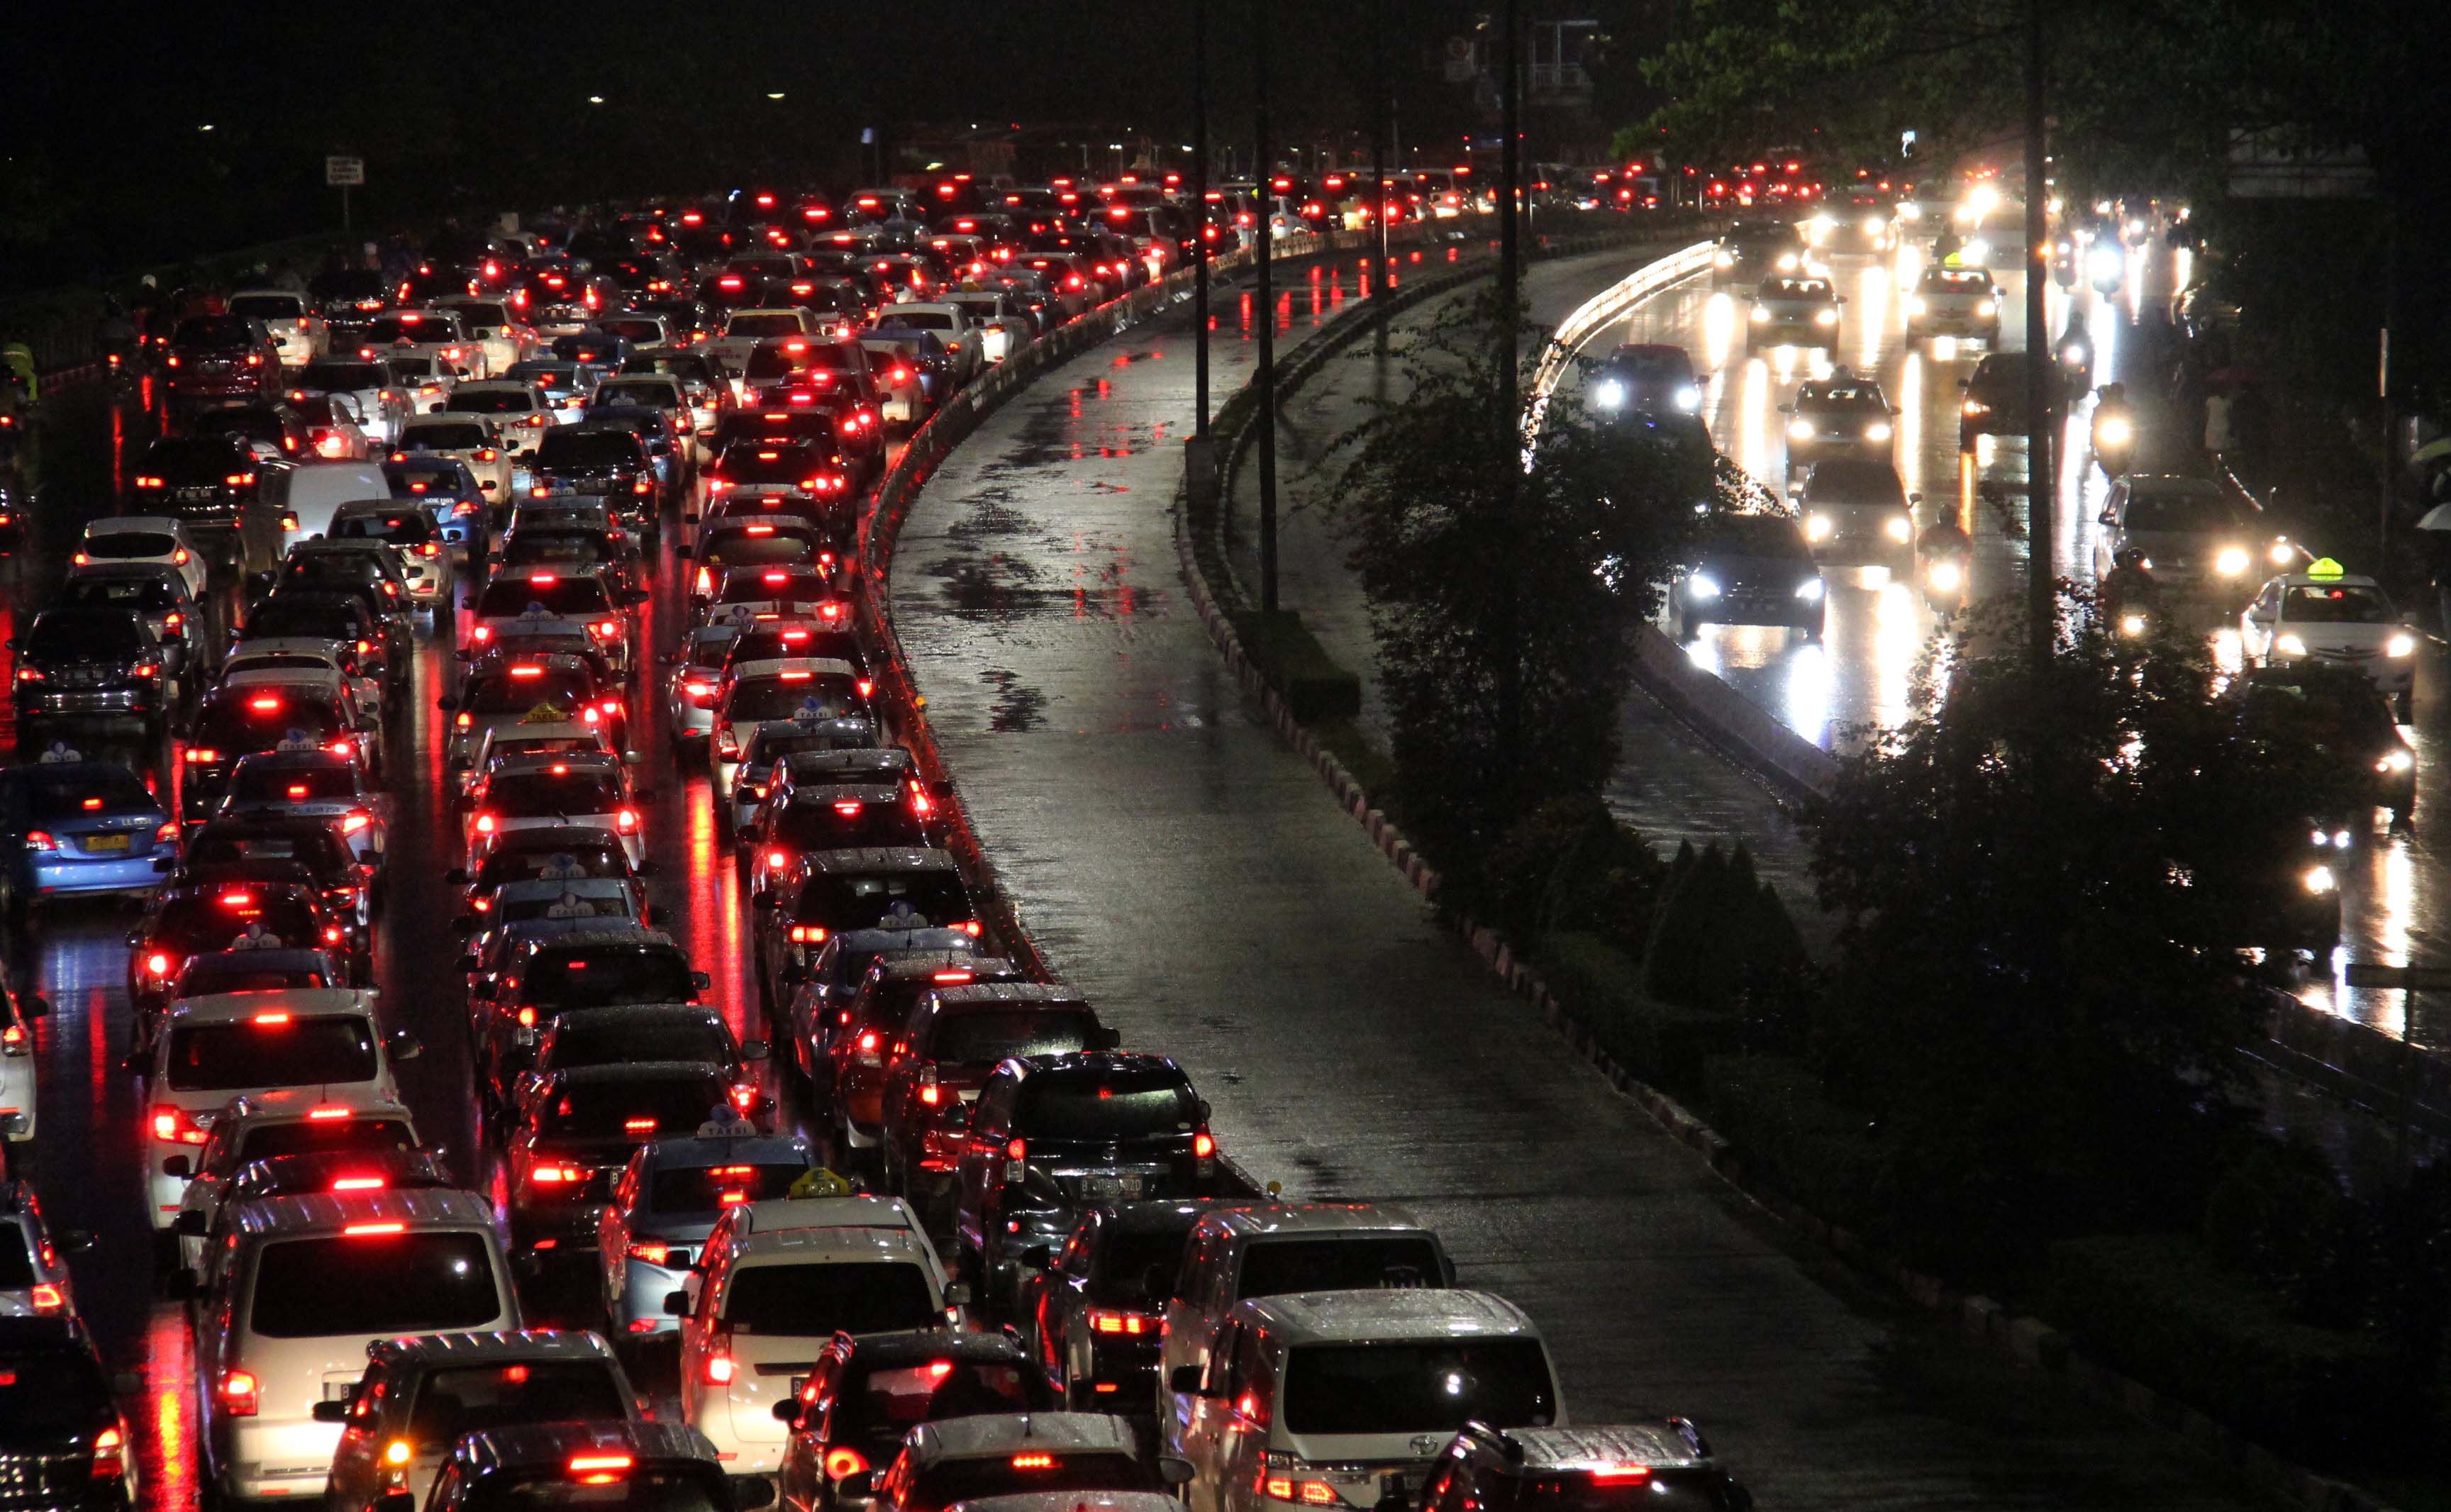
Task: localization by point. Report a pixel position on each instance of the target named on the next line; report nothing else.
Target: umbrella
(2437, 518)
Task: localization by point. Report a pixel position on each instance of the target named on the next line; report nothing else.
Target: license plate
(800, 1383)
(105, 842)
(1110, 1187)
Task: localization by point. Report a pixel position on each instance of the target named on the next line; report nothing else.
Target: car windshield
(411, 527)
(819, 695)
(52, 1393)
(311, 1136)
(510, 692)
(631, 1107)
(647, 396)
(608, 979)
(1757, 535)
(262, 719)
(1279, 1267)
(2179, 513)
(2332, 604)
(311, 845)
(708, 1188)
(454, 1400)
(544, 793)
(150, 595)
(967, 1480)
(914, 901)
(1107, 1103)
(889, 1401)
(756, 547)
(1431, 1388)
(445, 437)
(260, 782)
(270, 1049)
(566, 596)
(985, 1038)
(818, 1301)
(1651, 366)
(636, 1491)
(72, 793)
(490, 402)
(763, 325)
(588, 449)
(366, 1285)
(67, 634)
(127, 544)
(1845, 396)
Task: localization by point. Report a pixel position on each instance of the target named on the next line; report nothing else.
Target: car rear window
(539, 795)
(60, 635)
(607, 978)
(1431, 1388)
(85, 789)
(220, 921)
(262, 719)
(341, 377)
(844, 901)
(454, 1400)
(511, 694)
(270, 1052)
(46, 1393)
(636, 1491)
(121, 544)
(557, 595)
(638, 1110)
(192, 454)
(307, 618)
(409, 527)
(374, 1284)
(214, 331)
(567, 858)
(149, 595)
(708, 1188)
(827, 824)
(1277, 1267)
(490, 402)
(755, 547)
(231, 971)
(888, 1401)
(821, 695)
(1118, 1103)
(588, 449)
(818, 1301)
(986, 1037)
(309, 1136)
(581, 1042)
(315, 847)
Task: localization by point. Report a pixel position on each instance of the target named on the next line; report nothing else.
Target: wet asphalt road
(1185, 869)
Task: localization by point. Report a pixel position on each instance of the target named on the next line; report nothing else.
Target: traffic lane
(1184, 870)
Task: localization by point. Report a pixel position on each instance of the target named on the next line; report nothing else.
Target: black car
(577, 971)
(607, 463)
(189, 919)
(213, 484)
(879, 1386)
(1094, 1308)
(1053, 1134)
(1750, 570)
(86, 666)
(576, 1128)
(337, 617)
(1640, 379)
(1655, 1466)
(236, 721)
(826, 892)
(158, 593)
(63, 1442)
(349, 291)
(603, 1465)
(2341, 713)
(241, 846)
(1748, 253)
(1995, 399)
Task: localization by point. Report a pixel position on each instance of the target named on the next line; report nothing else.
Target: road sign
(344, 172)
(2282, 163)
(2398, 978)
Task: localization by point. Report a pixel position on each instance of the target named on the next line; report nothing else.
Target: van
(286, 1121)
(1333, 1398)
(1271, 1249)
(308, 495)
(311, 1282)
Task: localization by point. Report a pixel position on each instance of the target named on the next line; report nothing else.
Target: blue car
(70, 826)
(449, 492)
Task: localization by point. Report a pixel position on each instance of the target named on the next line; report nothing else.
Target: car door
(981, 1165)
(1246, 1412)
(1201, 1420)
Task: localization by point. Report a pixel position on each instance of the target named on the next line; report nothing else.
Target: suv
(87, 666)
(665, 1203)
(1660, 1466)
(828, 892)
(865, 1395)
(63, 1441)
(213, 486)
(1054, 1133)
(944, 1024)
(220, 360)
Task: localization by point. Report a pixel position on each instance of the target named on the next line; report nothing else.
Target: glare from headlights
(1787, 262)
(2340, 839)
(1910, 211)
(1761, 314)
(1701, 585)
(1825, 317)
(1689, 399)
(1609, 394)
(1809, 590)
(1914, 305)
(2400, 645)
(1816, 528)
(2073, 353)
(2319, 880)
(1874, 225)
(1986, 307)
(2105, 264)
(1982, 199)
(2114, 431)
(1945, 575)
(2396, 762)
(2282, 553)
(1899, 528)
(1976, 250)
(1878, 430)
(1723, 260)
(2232, 561)
(1824, 225)
(2131, 624)
(2288, 647)
(1799, 430)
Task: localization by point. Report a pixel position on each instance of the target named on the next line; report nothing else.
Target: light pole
(1265, 309)
(1379, 168)
(2041, 586)
(1200, 221)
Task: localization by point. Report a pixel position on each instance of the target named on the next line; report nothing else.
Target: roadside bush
(1773, 1109)
(2278, 1217)
(1661, 1043)
(1720, 932)
(1571, 866)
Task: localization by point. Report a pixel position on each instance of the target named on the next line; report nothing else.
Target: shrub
(1657, 1042)
(1720, 933)
(1570, 865)
(1773, 1109)
(2278, 1217)
(1314, 686)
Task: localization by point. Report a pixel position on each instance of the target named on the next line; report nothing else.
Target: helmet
(2131, 559)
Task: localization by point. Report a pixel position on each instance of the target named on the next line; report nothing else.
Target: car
(705, 390)
(145, 541)
(2197, 540)
(603, 463)
(829, 892)
(1749, 569)
(659, 434)
(60, 1415)
(73, 828)
(1646, 379)
(950, 323)
(1839, 416)
(216, 486)
(1051, 1135)
(613, 1466)
(473, 440)
(555, 852)
(1961, 302)
(427, 570)
(345, 291)
(307, 496)
(518, 416)
(20, 1111)
(1793, 312)
(320, 784)
(1996, 400)
(1749, 252)
(337, 430)
(575, 1130)
(1359, 1391)
(564, 384)
(775, 1281)
(34, 1279)
(560, 967)
(284, 1121)
(422, 1395)
(772, 590)
(419, 1262)
(449, 492)
(812, 815)
(158, 593)
(343, 632)
(667, 1201)
(1858, 511)
(562, 298)
(541, 733)
(642, 1031)
(2343, 715)
(928, 1026)
(585, 595)
(498, 336)
(814, 690)
(287, 710)
(1094, 1312)
(420, 379)
(379, 399)
(865, 1394)
(87, 667)
(220, 360)
(1002, 327)
(275, 847)
(556, 788)
(1663, 1465)
(1028, 1458)
(690, 679)
(2327, 614)
(430, 332)
(185, 919)
(743, 329)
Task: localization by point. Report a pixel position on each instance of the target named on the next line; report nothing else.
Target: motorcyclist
(1946, 538)
(2075, 353)
(114, 331)
(2127, 590)
(2114, 425)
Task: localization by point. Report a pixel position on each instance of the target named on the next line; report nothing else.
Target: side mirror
(405, 1045)
(1104, 1038)
(448, 703)
(787, 1413)
(958, 1294)
(1787, 409)
(702, 980)
(1174, 1472)
(676, 1304)
(1914, 499)
(331, 1411)
(756, 1050)
(178, 1165)
(1184, 1381)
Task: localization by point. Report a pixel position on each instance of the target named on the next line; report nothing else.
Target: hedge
(2157, 1308)
(1314, 686)
(1773, 1109)
(1656, 1042)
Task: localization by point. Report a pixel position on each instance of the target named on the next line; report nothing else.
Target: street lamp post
(1200, 220)
(1378, 201)
(1265, 308)
(2041, 432)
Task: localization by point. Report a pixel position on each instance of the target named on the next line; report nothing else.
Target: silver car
(667, 1204)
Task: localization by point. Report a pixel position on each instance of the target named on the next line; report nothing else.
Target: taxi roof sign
(2324, 569)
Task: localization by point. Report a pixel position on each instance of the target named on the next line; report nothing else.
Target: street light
(596, 99)
(773, 94)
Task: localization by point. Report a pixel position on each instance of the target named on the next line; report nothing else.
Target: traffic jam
(571, 1060)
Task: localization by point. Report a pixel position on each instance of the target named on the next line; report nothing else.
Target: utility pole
(2041, 586)
(1378, 169)
(1510, 110)
(1264, 308)
(1200, 218)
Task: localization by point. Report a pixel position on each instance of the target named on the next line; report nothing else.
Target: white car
(950, 323)
(1955, 302)
(519, 414)
(147, 540)
(381, 400)
(777, 1281)
(308, 495)
(17, 1107)
(284, 1121)
(292, 318)
(434, 333)
(2326, 614)
(303, 655)
(430, 571)
(554, 790)
(744, 330)
(472, 439)
(494, 330)
(1003, 329)
(211, 1049)
(420, 379)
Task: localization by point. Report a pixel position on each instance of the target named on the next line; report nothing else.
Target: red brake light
(372, 1230)
(239, 1393)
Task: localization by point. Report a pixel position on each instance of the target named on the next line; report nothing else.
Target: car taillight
(238, 1392)
(556, 1175)
(173, 1124)
(1130, 1325)
(109, 1454)
(653, 1252)
(353, 822)
(726, 745)
(807, 935)
(626, 821)
(41, 840)
(1204, 1145)
(158, 964)
(720, 1369)
(842, 1463)
(485, 824)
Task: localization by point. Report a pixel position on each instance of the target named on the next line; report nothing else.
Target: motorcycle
(2076, 365)
(2114, 440)
(1944, 565)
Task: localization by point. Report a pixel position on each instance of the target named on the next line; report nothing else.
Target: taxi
(2328, 614)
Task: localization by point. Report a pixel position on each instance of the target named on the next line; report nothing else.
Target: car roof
(635, 934)
(1001, 1433)
(1004, 994)
(297, 1002)
(795, 1215)
(500, 1346)
(286, 646)
(886, 1350)
(2345, 580)
(1387, 1316)
(1673, 1443)
(1261, 1219)
(880, 858)
(289, 1104)
(132, 524)
(778, 666)
(310, 1212)
(550, 1446)
(1070, 1502)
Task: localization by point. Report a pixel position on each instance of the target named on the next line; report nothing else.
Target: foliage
(1502, 589)
(1773, 1109)
(1719, 933)
(2046, 878)
(2280, 1216)
(1570, 865)
(1661, 1043)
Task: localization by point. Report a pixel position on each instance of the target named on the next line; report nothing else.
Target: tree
(2047, 875)
(1503, 589)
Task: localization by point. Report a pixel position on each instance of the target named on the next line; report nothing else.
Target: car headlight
(1975, 406)
(1702, 586)
(2403, 644)
(1722, 260)
(1761, 315)
(1816, 528)
(1825, 317)
(2073, 353)
(1914, 305)
(1874, 225)
(1987, 307)
(1809, 590)
(2231, 562)
(2280, 554)
(1910, 211)
(2114, 431)
(2396, 762)
(2131, 624)
(1609, 394)
(1976, 251)
(1689, 399)
(2288, 645)
(2104, 263)
(1899, 528)
(1787, 262)
(1878, 430)
(1823, 225)
(2319, 880)
(1799, 430)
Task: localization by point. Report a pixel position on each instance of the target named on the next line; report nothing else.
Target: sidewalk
(1191, 876)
